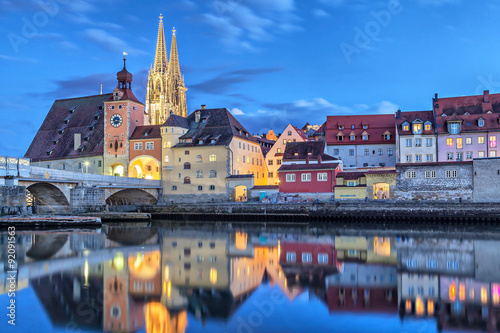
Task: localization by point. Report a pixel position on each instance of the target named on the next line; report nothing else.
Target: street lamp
(87, 166)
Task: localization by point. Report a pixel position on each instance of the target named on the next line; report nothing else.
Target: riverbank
(41, 221)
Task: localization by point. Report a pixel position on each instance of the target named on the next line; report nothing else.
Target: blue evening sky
(272, 62)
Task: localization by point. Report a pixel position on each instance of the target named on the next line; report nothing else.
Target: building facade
(166, 92)
(362, 141)
(416, 138)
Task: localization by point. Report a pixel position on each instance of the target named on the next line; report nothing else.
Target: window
(480, 140)
(351, 152)
(411, 174)
(468, 155)
(418, 158)
(449, 156)
(289, 133)
(468, 141)
(284, 141)
(199, 174)
(460, 156)
(451, 173)
(213, 158)
(493, 141)
(306, 257)
(278, 161)
(352, 137)
(381, 151)
(200, 188)
(364, 137)
(138, 146)
(290, 177)
(480, 154)
(150, 145)
(340, 137)
(244, 159)
(429, 158)
(270, 162)
(212, 259)
(406, 127)
(428, 142)
(186, 152)
(306, 177)
(212, 174)
(459, 143)
(174, 188)
(279, 151)
(408, 142)
(367, 151)
(418, 142)
(187, 180)
(417, 128)
(290, 257)
(336, 152)
(387, 137)
(389, 151)
(322, 177)
(428, 127)
(187, 166)
(270, 175)
(454, 128)
(199, 159)
(430, 174)
(352, 184)
(408, 158)
(480, 122)
(449, 142)
(322, 258)
(212, 188)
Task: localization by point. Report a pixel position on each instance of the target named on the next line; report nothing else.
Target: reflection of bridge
(59, 190)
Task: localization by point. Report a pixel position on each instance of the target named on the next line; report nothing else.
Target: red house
(307, 169)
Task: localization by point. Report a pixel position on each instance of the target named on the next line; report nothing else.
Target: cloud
(237, 112)
(320, 12)
(109, 42)
(18, 59)
(225, 82)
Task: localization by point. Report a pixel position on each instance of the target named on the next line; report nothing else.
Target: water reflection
(178, 280)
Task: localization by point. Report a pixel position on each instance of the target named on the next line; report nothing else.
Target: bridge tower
(123, 112)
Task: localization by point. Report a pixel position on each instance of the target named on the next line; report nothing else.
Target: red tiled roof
(411, 116)
(378, 125)
(469, 122)
(302, 133)
(84, 114)
(304, 167)
(432, 163)
(146, 132)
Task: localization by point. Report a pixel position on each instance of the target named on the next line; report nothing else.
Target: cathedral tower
(166, 92)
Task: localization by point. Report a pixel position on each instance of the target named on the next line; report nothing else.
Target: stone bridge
(64, 191)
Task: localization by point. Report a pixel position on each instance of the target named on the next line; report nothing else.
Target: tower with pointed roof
(166, 92)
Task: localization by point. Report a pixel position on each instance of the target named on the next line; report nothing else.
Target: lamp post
(87, 166)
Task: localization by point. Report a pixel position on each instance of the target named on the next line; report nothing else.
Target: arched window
(199, 174)
(199, 158)
(213, 174)
(187, 180)
(187, 165)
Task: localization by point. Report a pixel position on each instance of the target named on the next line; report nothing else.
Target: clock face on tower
(116, 120)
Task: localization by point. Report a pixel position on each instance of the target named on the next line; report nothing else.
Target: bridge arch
(131, 197)
(49, 195)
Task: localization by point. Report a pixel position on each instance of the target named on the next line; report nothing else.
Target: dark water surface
(164, 279)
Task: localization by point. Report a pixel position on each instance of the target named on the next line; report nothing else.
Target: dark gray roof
(176, 121)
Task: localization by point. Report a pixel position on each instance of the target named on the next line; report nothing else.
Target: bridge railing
(14, 166)
(44, 173)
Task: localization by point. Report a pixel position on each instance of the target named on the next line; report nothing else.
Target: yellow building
(274, 157)
(211, 155)
(350, 185)
(351, 248)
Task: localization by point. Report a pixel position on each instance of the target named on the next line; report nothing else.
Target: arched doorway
(117, 170)
(145, 167)
(240, 193)
(381, 191)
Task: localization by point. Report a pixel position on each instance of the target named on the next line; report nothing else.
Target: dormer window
(365, 137)
(466, 114)
(417, 128)
(489, 112)
(341, 127)
(72, 109)
(296, 154)
(454, 127)
(387, 137)
(200, 142)
(353, 126)
(427, 126)
(340, 137)
(352, 137)
(406, 127)
(212, 141)
(480, 122)
(365, 127)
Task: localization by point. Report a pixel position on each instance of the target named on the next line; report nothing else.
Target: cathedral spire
(174, 69)
(161, 58)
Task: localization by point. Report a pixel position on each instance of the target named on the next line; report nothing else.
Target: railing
(13, 166)
(39, 172)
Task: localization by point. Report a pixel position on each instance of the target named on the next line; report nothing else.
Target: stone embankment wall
(88, 199)
(13, 200)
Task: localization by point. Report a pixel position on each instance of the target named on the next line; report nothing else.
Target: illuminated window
(480, 140)
(419, 306)
(452, 292)
(417, 128)
(213, 275)
(468, 141)
(495, 294)
(406, 127)
(484, 295)
(493, 141)
(480, 154)
(408, 306)
(449, 142)
(213, 158)
(493, 153)
(199, 158)
(428, 127)
(459, 143)
(430, 307)
(461, 292)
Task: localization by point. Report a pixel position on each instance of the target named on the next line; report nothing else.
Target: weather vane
(125, 54)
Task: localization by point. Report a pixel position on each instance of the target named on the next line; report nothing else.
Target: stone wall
(194, 198)
(486, 179)
(13, 200)
(446, 181)
(88, 199)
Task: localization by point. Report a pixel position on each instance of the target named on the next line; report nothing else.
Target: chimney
(398, 114)
(307, 159)
(436, 98)
(78, 141)
(197, 115)
(203, 106)
(319, 159)
(486, 96)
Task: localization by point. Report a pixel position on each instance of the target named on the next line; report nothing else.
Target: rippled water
(138, 279)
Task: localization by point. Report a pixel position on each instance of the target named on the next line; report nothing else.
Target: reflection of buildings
(351, 248)
(418, 294)
(363, 288)
(381, 250)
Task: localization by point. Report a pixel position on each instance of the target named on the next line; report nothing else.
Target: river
(217, 279)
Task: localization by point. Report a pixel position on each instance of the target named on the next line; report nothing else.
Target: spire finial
(125, 54)
(161, 17)
(173, 31)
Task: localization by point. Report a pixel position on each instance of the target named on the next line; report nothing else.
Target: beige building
(211, 155)
(274, 157)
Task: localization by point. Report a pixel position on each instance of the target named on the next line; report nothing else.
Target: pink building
(467, 127)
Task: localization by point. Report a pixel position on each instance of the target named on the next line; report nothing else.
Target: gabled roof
(377, 125)
(321, 130)
(146, 132)
(215, 124)
(410, 117)
(308, 149)
(85, 110)
(176, 121)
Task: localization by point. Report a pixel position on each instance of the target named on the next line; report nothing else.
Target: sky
(271, 62)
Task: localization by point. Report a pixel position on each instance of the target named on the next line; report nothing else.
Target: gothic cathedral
(166, 92)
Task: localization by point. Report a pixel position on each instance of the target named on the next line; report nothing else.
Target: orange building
(145, 152)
